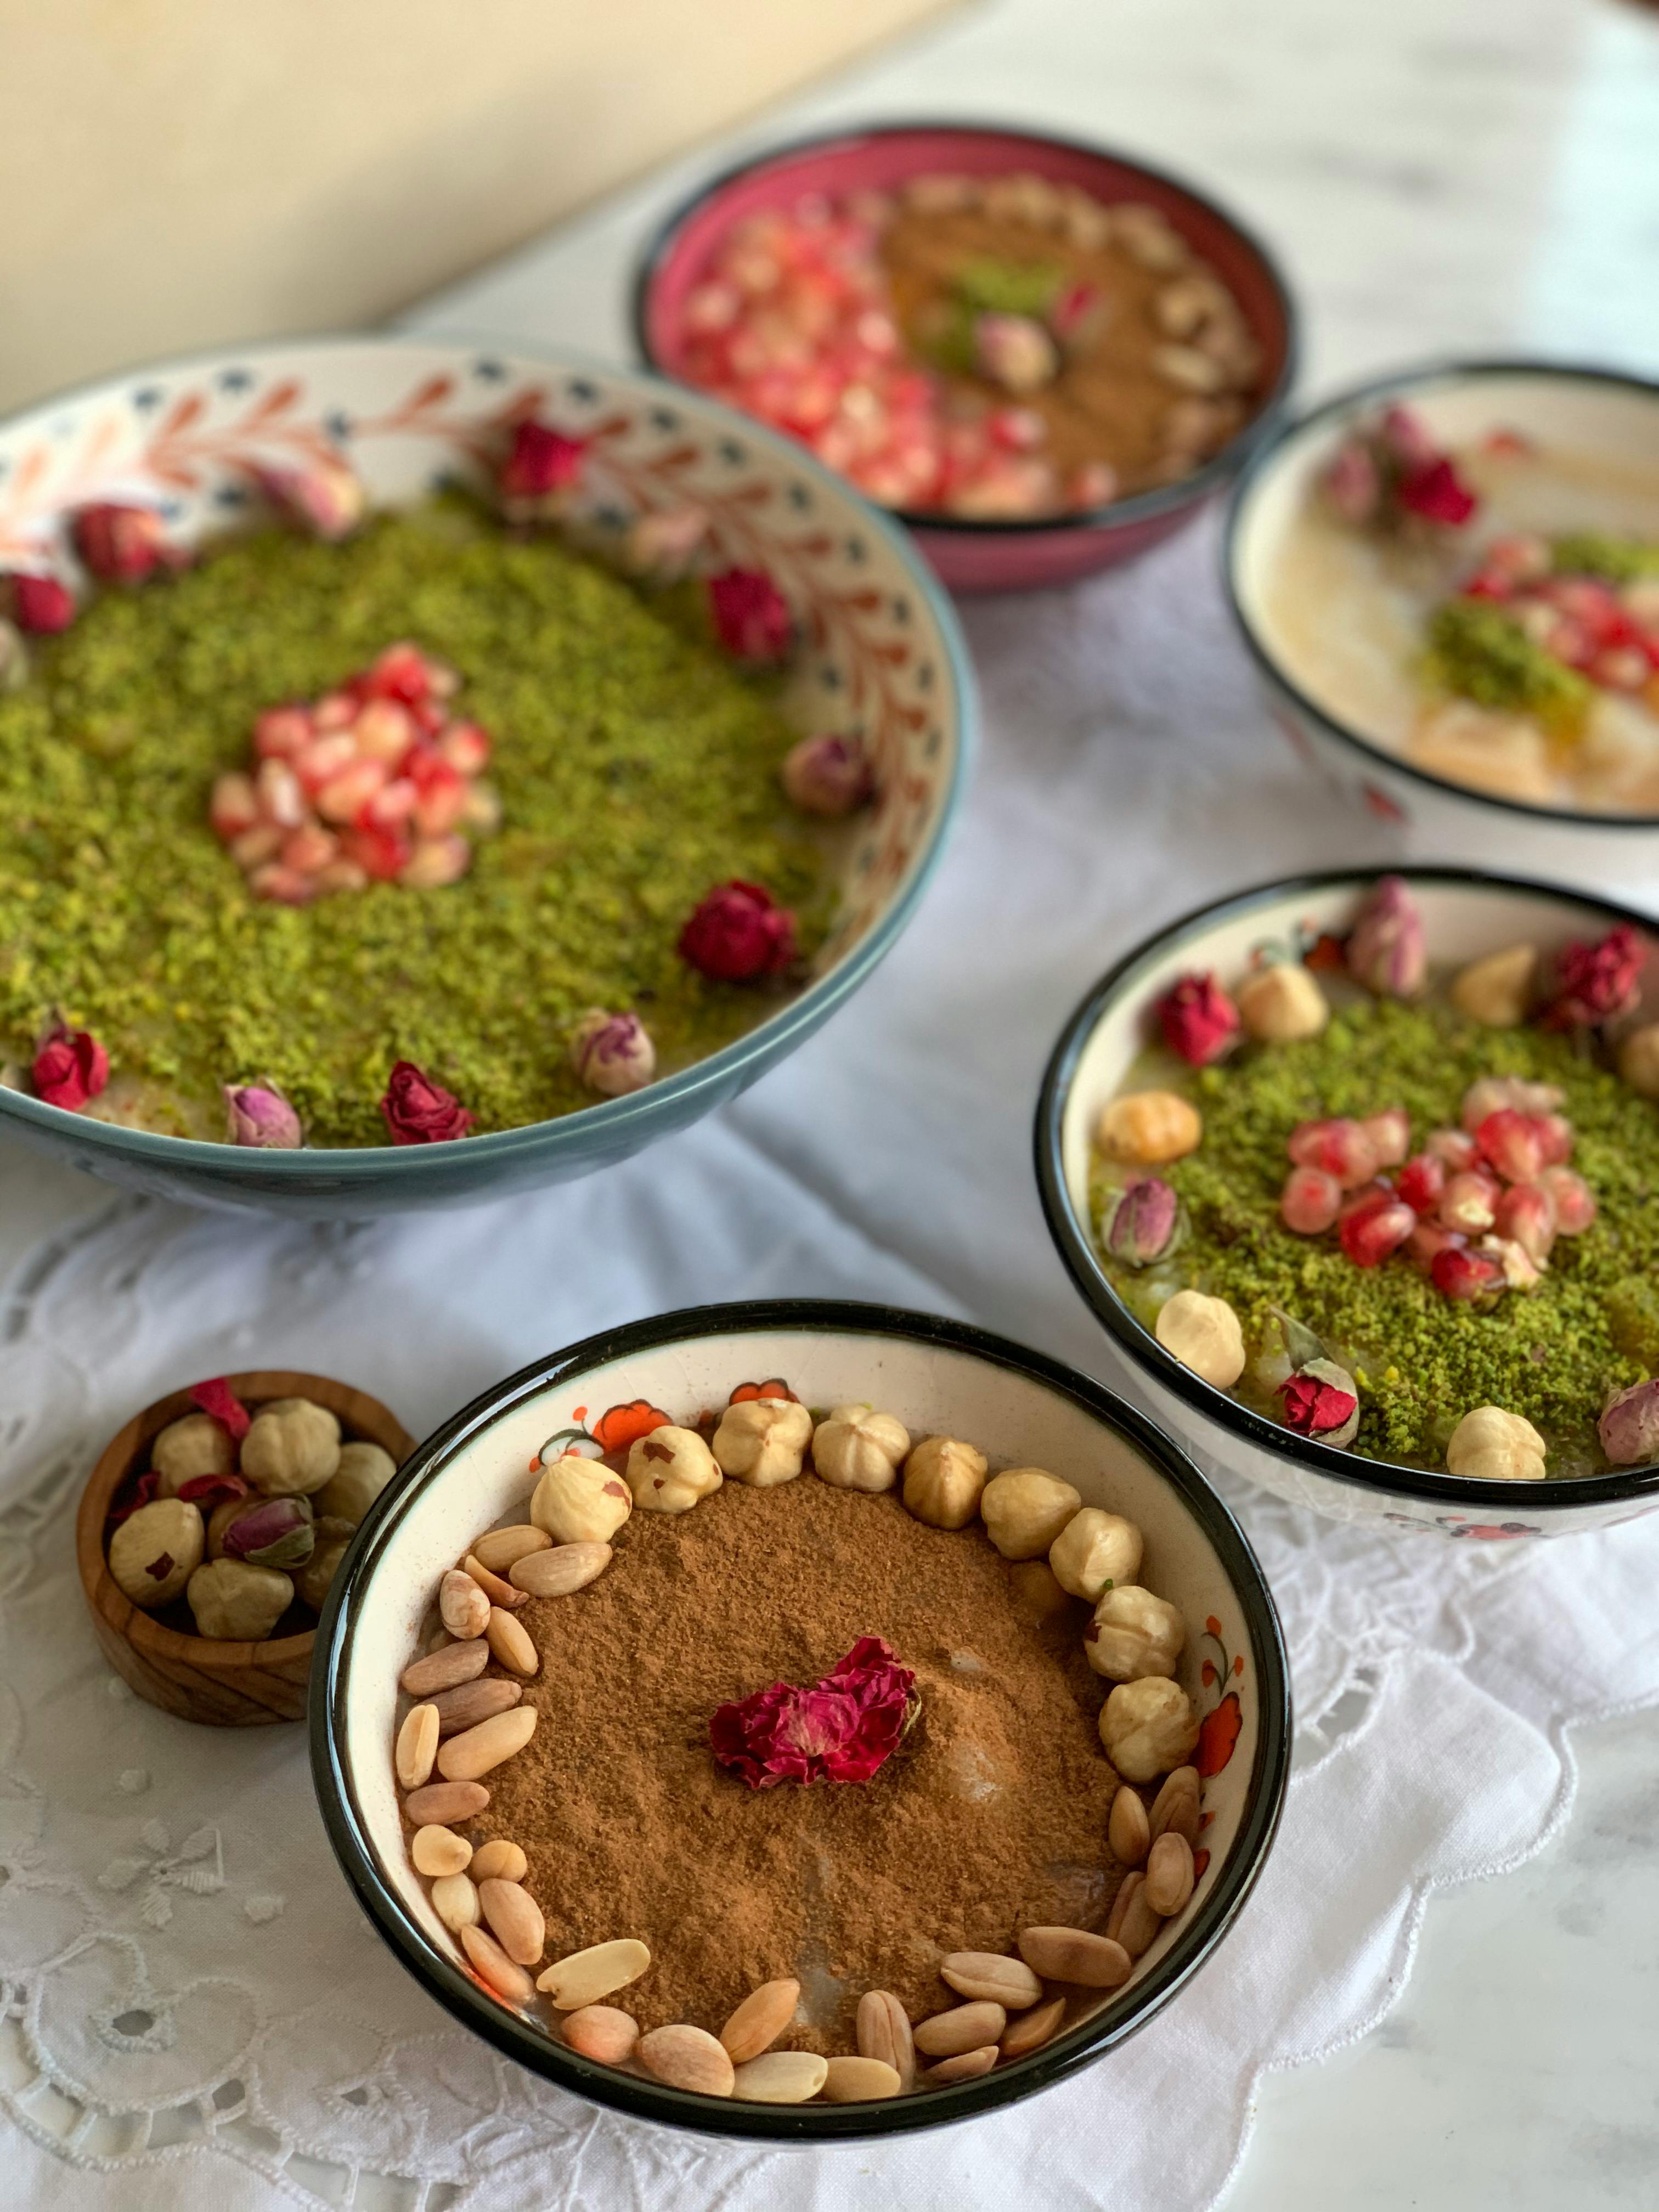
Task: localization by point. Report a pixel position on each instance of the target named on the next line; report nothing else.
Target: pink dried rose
(828, 774)
(612, 1053)
(277, 1532)
(1595, 983)
(750, 615)
(220, 1403)
(1389, 469)
(257, 1115)
(418, 1111)
(540, 463)
(1353, 483)
(122, 543)
(842, 1729)
(325, 496)
(739, 935)
(1387, 951)
(1198, 1019)
(71, 1066)
(1321, 1400)
(1630, 1427)
(40, 605)
(1144, 1224)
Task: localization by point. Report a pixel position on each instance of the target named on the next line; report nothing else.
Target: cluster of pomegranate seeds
(1478, 1208)
(1606, 632)
(373, 782)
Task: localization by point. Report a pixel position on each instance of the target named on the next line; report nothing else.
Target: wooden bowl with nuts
(296, 1460)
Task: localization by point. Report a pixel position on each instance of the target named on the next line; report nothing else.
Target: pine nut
(455, 1901)
(759, 2020)
(499, 1548)
(1034, 2028)
(510, 1642)
(1073, 1954)
(583, 1976)
(1169, 1874)
(1128, 1832)
(781, 2078)
(858, 2080)
(442, 1803)
(601, 2033)
(493, 1966)
(965, 2028)
(464, 1757)
(443, 1669)
(687, 2058)
(557, 1573)
(438, 1851)
(499, 1862)
(516, 1920)
(497, 1591)
(462, 1606)
(1007, 1982)
(883, 2033)
(417, 1746)
(967, 2067)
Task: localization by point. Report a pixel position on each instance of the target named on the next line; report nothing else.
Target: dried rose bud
(750, 615)
(1405, 438)
(542, 462)
(1322, 1401)
(41, 605)
(208, 1490)
(1387, 951)
(738, 934)
(257, 1114)
(662, 544)
(1594, 982)
(418, 1111)
(1572, 1198)
(1198, 1019)
(277, 1533)
(14, 658)
(121, 543)
(612, 1053)
(1014, 352)
(71, 1066)
(1144, 1224)
(1352, 484)
(325, 497)
(828, 774)
(1630, 1427)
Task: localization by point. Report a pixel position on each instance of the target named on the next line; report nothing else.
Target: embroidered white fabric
(196, 2012)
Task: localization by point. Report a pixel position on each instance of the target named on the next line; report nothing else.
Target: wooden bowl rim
(372, 1421)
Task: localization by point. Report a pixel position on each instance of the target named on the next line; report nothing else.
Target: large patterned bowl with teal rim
(880, 653)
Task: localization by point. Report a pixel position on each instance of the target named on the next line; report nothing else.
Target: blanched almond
(499, 1548)
(438, 1851)
(462, 1606)
(1073, 1954)
(883, 2033)
(443, 1669)
(1007, 1982)
(497, 1591)
(464, 1757)
(510, 1642)
(965, 2068)
(687, 2058)
(1128, 1832)
(455, 1901)
(1121, 1902)
(417, 1746)
(1169, 1874)
(516, 1920)
(1177, 1805)
(583, 1976)
(858, 2080)
(499, 1862)
(1140, 1926)
(1034, 2028)
(965, 2028)
(565, 1568)
(493, 1965)
(442, 1803)
(602, 2033)
(760, 2020)
(469, 1703)
(781, 2078)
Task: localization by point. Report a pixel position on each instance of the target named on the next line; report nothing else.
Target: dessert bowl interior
(935, 1374)
(882, 653)
(974, 555)
(1320, 691)
(1465, 915)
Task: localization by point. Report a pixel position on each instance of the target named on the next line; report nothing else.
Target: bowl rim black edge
(1142, 507)
(783, 1030)
(1076, 1246)
(1269, 1782)
(1269, 449)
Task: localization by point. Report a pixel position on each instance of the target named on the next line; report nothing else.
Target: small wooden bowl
(198, 1677)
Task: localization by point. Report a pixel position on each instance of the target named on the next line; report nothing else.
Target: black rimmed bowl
(970, 554)
(1466, 913)
(1330, 707)
(936, 1375)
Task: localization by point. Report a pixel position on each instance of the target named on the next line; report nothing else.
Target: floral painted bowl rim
(1077, 1248)
(1090, 2039)
(1270, 450)
(1141, 506)
(811, 1006)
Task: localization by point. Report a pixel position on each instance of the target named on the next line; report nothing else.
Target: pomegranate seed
(442, 803)
(384, 731)
(335, 710)
(1370, 1232)
(233, 807)
(382, 854)
(1309, 1202)
(1573, 1199)
(306, 850)
(1421, 1181)
(1556, 1135)
(282, 731)
(340, 876)
(465, 746)
(1428, 1241)
(344, 796)
(282, 800)
(1494, 1093)
(1511, 1142)
(1468, 1203)
(1340, 1147)
(1620, 668)
(1390, 1132)
(394, 803)
(1525, 1214)
(324, 758)
(255, 846)
(274, 881)
(435, 862)
(1452, 1148)
(1465, 1276)
(401, 672)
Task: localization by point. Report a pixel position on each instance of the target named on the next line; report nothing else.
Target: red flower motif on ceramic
(70, 1067)
(1217, 1735)
(418, 1111)
(219, 1401)
(842, 1729)
(620, 1426)
(1488, 1533)
(1200, 1860)
(746, 1393)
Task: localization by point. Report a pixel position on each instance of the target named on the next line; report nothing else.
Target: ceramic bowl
(970, 556)
(885, 653)
(1020, 1407)
(1588, 409)
(1465, 914)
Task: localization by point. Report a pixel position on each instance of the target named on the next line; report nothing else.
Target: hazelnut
(312, 1580)
(1093, 1551)
(1497, 990)
(580, 1501)
(291, 1446)
(1282, 1003)
(669, 1470)
(858, 1448)
(763, 1441)
(943, 1480)
(1024, 1508)
(1036, 1594)
(1489, 1445)
(1133, 1634)
(155, 1550)
(1203, 1332)
(1150, 1126)
(237, 1603)
(1148, 1728)
(196, 1444)
(363, 1472)
(1638, 1060)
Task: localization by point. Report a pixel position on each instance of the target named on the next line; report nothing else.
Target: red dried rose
(1437, 493)
(1197, 1019)
(219, 1401)
(139, 1491)
(121, 543)
(842, 1729)
(41, 605)
(1594, 982)
(210, 1490)
(738, 934)
(70, 1067)
(1312, 1406)
(418, 1111)
(750, 615)
(541, 460)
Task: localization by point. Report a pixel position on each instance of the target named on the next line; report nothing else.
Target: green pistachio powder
(637, 767)
(1421, 1361)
